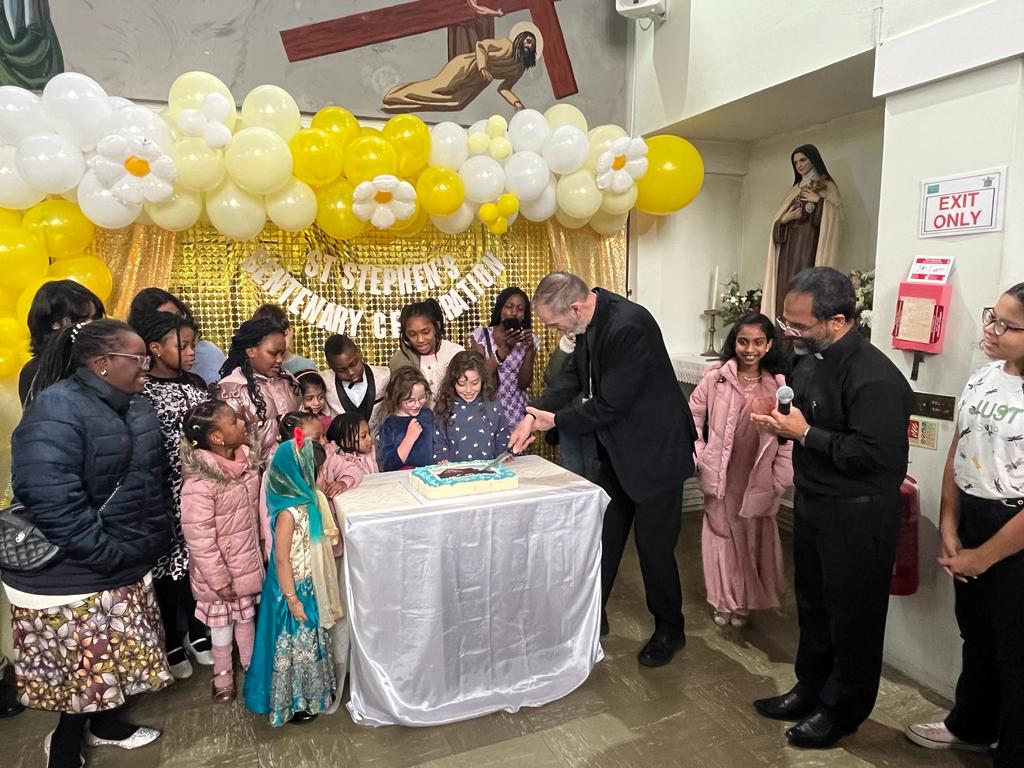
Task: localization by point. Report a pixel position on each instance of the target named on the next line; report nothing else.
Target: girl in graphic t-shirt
(982, 528)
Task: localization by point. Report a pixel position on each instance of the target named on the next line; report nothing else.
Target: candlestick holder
(711, 315)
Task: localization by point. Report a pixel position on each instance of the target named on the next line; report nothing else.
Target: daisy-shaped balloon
(207, 122)
(620, 166)
(384, 201)
(134, 169)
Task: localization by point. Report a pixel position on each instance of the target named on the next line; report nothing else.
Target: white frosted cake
(462, 478)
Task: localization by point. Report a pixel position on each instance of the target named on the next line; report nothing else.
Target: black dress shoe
(10, 710)
(302, 717)
(660, 649)
(786, 706)
(818, 731)
(604, 625)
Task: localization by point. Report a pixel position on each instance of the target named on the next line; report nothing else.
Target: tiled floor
(694, 712)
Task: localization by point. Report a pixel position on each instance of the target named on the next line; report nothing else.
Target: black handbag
(23, 548)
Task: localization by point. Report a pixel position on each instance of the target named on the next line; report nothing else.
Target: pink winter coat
(281, 394)
(718, 401)
(220, 502)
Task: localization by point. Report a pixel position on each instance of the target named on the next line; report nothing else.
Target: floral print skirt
(90, 655)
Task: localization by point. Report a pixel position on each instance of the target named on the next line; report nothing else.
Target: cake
(462, 478)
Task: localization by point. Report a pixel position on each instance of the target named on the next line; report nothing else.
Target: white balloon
(191, 122)
(480, 126)
(449, 146)
(483, 178)
(565, 149)
(544, 207)
(21, 114)
(50, 162)
(101, 207)
(142, 122)
(526, 175)
(79, 108)
(457, 222)
(527, 130)
(15, 192)
(119, 102)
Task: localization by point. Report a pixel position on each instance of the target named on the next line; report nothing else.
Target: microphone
(785, 397)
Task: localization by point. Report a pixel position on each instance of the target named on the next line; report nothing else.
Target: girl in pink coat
(220, 497)
(743, 473)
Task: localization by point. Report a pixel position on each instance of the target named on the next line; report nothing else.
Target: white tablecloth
(472, 605)
(690, 368)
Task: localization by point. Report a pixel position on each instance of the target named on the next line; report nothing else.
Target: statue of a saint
(805, 230)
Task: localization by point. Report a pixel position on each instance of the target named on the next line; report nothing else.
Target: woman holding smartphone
(509, 346)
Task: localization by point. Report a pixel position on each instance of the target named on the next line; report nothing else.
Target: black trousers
(657, 523)
(178, 611)
(843, 554)
(990, 613)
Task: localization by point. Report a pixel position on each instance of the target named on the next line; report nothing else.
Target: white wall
(851, 147)
(969, 122)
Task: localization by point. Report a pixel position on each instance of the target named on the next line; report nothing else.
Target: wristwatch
(803, 437)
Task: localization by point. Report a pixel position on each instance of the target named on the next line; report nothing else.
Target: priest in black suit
(632, 404)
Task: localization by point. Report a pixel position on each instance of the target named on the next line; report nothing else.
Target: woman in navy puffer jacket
(87, 464)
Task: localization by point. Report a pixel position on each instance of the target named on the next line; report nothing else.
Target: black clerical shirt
(858, 405)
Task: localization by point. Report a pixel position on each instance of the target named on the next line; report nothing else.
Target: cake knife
(501, 457)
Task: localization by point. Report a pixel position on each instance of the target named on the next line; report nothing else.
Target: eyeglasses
(143, 361)
(999, 327)
(411, 401)
(792, 330)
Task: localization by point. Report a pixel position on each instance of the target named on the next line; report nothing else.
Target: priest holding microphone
(848, 422)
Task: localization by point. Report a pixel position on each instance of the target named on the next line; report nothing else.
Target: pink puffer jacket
(220, 503)
(281, 395)
(718, 401)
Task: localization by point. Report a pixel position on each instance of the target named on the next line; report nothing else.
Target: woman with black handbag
(87, 465)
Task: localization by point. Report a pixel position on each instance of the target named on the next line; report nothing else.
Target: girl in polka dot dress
(469, 422)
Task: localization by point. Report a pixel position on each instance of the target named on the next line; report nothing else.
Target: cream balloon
(457, 222)
(50, 162)
(235, 213)
(565, 114)
(618, 203)
(101, 207)
(570, 222)
(483, 178)
(293, 207)
(578, 195)
(608, 224)
(449, 146)
(259, 161)
(199, 167)
(178, 212)
(565, 149)
(544, 206)
(601, 139)
(191, 88)
(500, 149)
(15, 192)
(268, 106)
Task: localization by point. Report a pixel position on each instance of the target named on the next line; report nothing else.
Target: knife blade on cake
(501, 457)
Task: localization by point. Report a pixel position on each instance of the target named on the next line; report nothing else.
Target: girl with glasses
(406, 436)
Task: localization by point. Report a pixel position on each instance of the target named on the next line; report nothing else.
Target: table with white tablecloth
(472, 605)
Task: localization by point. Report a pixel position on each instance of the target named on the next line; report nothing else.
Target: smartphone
(511, 324)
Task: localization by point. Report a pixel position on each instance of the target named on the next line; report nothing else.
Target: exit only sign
(966, 204)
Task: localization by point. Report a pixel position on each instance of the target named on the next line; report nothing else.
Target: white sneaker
(721, 618)
(938, 736)
(203, 657)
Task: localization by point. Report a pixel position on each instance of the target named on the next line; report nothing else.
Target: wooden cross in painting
(419, 16)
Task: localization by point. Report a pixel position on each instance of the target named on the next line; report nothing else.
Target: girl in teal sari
(291, 676)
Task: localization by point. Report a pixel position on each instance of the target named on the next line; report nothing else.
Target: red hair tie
(300, 438)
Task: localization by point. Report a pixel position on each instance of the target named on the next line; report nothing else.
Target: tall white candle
(714, 290)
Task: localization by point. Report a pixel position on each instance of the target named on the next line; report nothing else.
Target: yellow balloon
(178, 212)
(618, 203)
(499, 227)
(189, 90)
(334, 211)
(199, 167)
(570, 222)
(9, 360)
(368, 157)
(508, 204)
(368, 130)
(9, 218)
(61, 226)
(258, 161)
(608, 224)
(565, 114)
(85, 270)
(338, 122)
(410, 137)
(414, 225)
(24, 301)
(273, 108)
(316, 156)
(292, 208)
(235, 213)
(12, 333)
(675, 173)
(440, 191)
(601, 139)
(489, 213)
(22, 258)
(578, 195)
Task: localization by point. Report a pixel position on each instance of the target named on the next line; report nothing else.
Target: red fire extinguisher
(904, 571)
